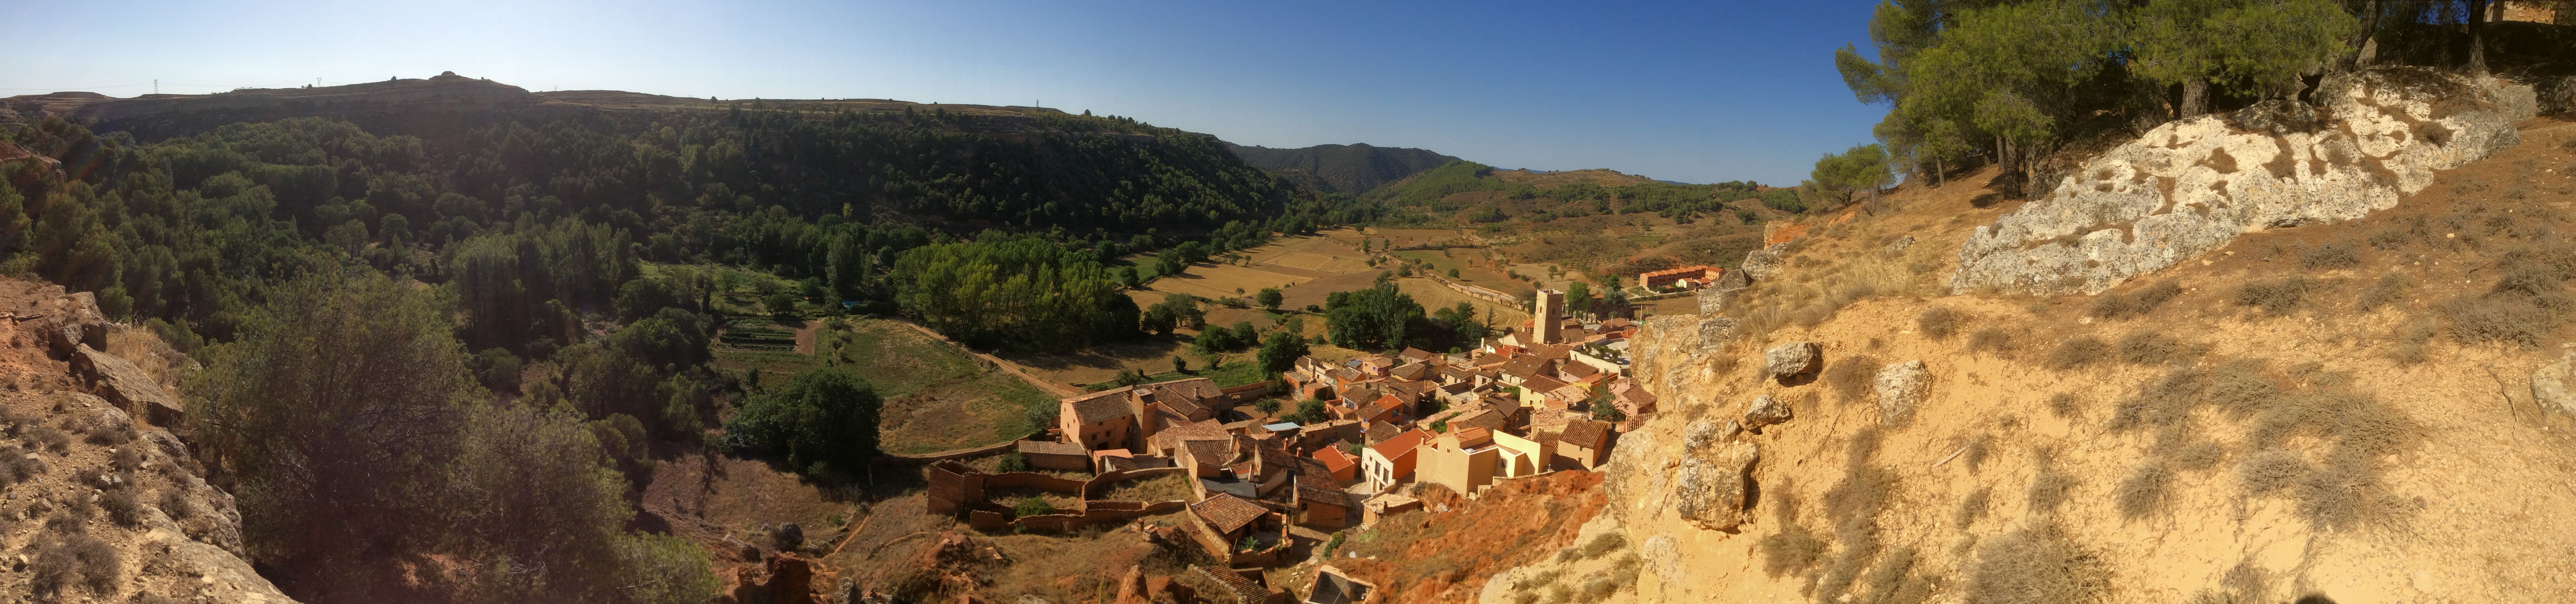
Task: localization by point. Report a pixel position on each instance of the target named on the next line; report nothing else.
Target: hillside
(1342, 168)
(2362, 406)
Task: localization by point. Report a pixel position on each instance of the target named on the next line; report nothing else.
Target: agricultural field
(936, 396)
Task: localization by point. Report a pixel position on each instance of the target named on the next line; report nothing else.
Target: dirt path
(1059, 390)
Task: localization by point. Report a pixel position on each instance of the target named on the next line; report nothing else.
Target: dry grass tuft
(2276, 296)
(1793, 548)
(2136, 303)
(2037, 565)
(122, 506)
(2065, 405)
(2390, 288)
(2331, 255)
(1852, 505)
(1850, 377)
(2049, 488)
(2144, 490)
(2267, 472)
(2077, 353)
(1992, 341)
(1940, 322)
(46, 437)
(1973, 507)
(2146, 347)
(65, 560)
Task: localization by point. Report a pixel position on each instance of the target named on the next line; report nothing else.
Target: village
(1551, 395)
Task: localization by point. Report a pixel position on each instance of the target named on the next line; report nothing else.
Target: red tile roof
(1334, 459)
(1101, 406)
(1585, 433)
(1401, 444)
(1227, 513)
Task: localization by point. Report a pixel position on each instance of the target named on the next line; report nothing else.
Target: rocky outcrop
(1764, 263)
(2553, 387)
(126, 385)
(2191, 186)
(1766, 411)
(1794, 362)
(1716, 481)
(1729, 286)
(1900, 387)
(1716, 330)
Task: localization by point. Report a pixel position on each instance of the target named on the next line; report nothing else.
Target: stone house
(1099, 420)
(1056, 455)
(1342, 467)
(1391, 462)
(1584, 445)
(1461, 460)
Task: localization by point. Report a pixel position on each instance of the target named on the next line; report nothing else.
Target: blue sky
(1689, 91)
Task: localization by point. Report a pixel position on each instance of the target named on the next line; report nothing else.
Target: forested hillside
(1433, 197)
(1342, 168)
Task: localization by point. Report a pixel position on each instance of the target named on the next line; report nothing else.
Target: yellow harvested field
(1432, 295)
(1221, 280)
(1318, 262)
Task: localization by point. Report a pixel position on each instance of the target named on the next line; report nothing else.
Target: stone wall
(2191, 186)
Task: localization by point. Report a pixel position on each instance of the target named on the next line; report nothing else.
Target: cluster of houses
(1523, 403)
(1688, 277)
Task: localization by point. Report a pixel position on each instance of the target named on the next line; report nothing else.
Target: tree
(2254, 45)
(1280, 352)
(825, 419)
(1267, 406)
(1270, 298)
(1376, 318)
(1245, 334)
(1310, 411)
(1180, 364)
(1843, 176)
(1031, 506)
(1453, 273)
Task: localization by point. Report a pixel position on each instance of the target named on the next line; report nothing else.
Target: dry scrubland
(2340, 410)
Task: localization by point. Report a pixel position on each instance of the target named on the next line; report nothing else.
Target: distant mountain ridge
(1342, 168)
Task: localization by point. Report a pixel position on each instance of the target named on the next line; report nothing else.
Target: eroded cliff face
(2191, 186)
(103, 502)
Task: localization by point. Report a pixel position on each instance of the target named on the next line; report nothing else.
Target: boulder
(1715, 331)
(1730, 285)
(1707, 433)
(1766, 411)
(126, 386)
(1900, 386)
(2553, 387)
(2191, 186)
(1898, 247)
(1764, 263)
(1715, 485)
(1791, 362)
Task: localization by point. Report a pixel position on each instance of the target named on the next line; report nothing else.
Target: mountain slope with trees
(1342, 168)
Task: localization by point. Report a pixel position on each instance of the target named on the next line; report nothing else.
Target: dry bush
(2266, 472)
(122, 506)
(2065, 405)
(2037, 565)
(2077, 353)
(2144, 490)
(1975, 453)
(1599, 545)
(1992, 341)
(1807, 297)
(46, 437)
(2390, 288)
(1939, 322)
(1530, 584)
(2412, 338)
(1973, 506)
(2502, 320)
(2276, 296)
(2198, 455)
(1892, 580)
(175, 504)
(1852, 505)
(2331, 255)
(2146, 347)
(1850, 377)
(65, 560)
(2136, 303)
(2049, 488)
(127, 459)
(1794, 548)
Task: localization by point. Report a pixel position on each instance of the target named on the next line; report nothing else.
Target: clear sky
(1688, 91)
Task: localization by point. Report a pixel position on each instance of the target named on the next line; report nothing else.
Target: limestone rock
(1900, 387)
(2191, 186)
(69, 321)
(1790, 361)
(1766, 411)
(1764, 263)
(126, 385)
(1729, 286)
(1714, 483)
(1897, 247)
(2553, 387)
(1706, 433)
(1714, 331)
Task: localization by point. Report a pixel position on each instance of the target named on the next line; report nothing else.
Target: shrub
(122, 506)
(2276, 296)
(2143, 490)
(2137, 303)
(1267, 406)
(1850, 377)
(1601, 544)
(1791, 549)
(2411, 340)
(1031, 506)
(1973, 506)
(2198, 455)
(2270, 471)
(2390, 288)
(2064, 405)
(2049, 488)
(175, 504)
(2332, 255)
(1992, 341)
(2036, 565)
(2146, 347)
(826, 415)
(46, 437)
(2498, 319)
(127, 459)
(104, 433)
(67, 560)
(1013, 462)
(2078, 352)
(1939, 322)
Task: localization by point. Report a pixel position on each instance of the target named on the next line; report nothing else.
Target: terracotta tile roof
(1101, 406)
(1401, 444)
(1245, 589)
(1183, 406)
(1274, 455)
(1579, 369)
(1315, 484)
(1378, 432)
(1411, 390)
(1491, 360)
(1470, 437)
(1333, 459)
(1201, 430)
(1525, 366)
(1346, 374)
(1192, 389)
(1460, 375)
(1483, 419)
(1570, 393)
(1227, 513)
(1209, 451)
(1541, 384)
(1410, 371)
(1585, 433)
